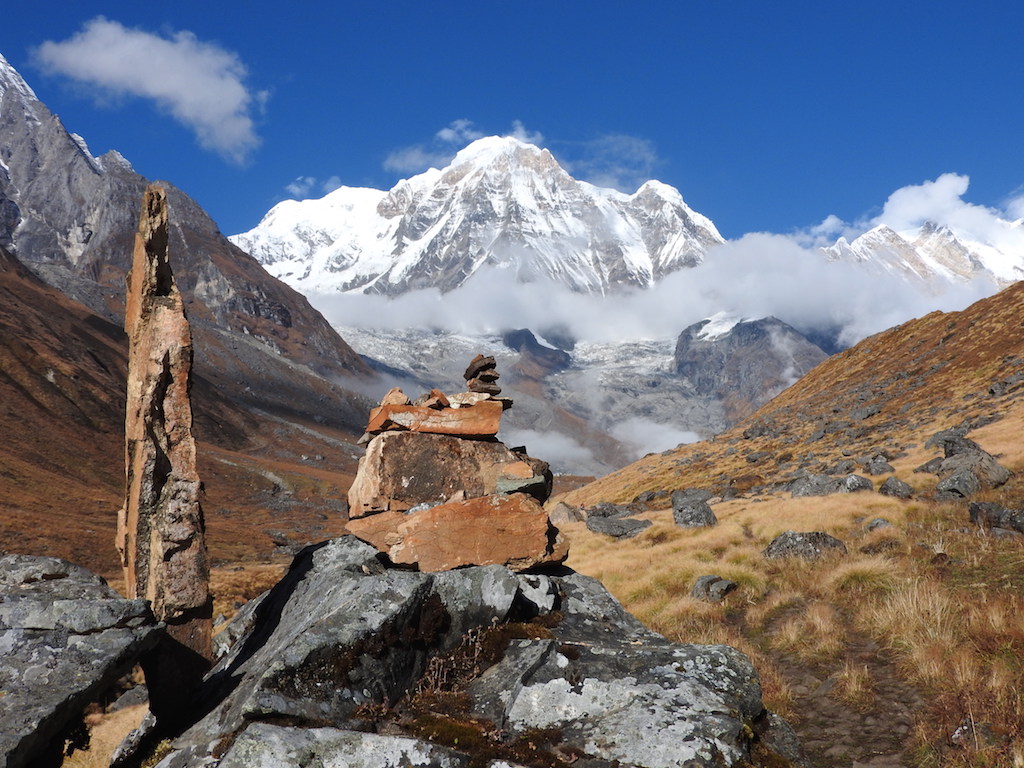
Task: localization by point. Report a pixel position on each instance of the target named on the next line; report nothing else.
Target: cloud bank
(940, 201)
(200, 84)
(755, 276)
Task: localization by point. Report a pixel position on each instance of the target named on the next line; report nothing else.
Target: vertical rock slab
(160, 532)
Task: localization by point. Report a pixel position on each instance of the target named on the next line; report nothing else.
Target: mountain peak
(489, 148)
(10, 80)
(503, 203)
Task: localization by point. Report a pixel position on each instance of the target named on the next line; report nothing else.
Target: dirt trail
(837, 734)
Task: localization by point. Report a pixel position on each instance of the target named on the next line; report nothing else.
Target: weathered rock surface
(566, 513)
(480, 420)
(403, 469)
(809, 546)
(503, 529)
(65, 638)
(340, 631)
(160, 530)
(896, 488)
(712, 589)
(965, 468)
(693, 514)
(825, 485)
(617, 527)
(989, 514)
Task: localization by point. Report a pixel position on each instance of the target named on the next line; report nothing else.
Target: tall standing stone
(160, 532)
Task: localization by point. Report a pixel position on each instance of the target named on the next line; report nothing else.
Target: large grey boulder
(329, 666)
(965, 468)
(809, 545)
(65, 639)
(617, 527)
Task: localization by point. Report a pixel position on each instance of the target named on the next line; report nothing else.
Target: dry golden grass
(953, 623)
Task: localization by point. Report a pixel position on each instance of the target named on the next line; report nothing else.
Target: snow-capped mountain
(932, 255)
(501, 203)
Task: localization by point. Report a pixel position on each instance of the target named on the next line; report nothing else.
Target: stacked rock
(437, 490)
(482, 376)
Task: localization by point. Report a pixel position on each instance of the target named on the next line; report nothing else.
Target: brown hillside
(906, 650)
(62, 384)
(890, 392)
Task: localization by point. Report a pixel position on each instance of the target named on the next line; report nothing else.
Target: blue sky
(766, 116)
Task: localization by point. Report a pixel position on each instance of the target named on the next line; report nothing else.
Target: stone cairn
(437, 490)
(160, 531)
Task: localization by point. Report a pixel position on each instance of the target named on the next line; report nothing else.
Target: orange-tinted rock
(478, 364)
(480, 420)
(160, 528)
(403, 469)
(160, 531)
(394, 396)
(511, 530)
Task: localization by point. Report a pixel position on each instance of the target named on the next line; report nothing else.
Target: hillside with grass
(906, 650)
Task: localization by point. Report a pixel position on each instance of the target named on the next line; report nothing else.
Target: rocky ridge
(501, 204)
(70, 217)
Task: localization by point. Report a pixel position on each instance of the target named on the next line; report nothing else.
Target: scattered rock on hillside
(566, 513)
(694, 514)
(809, 546)
(990, 514)
(606, 509)
(65, 638)
(815, 485)
(617, 527)
(965, 467)
(343, 646)
(856, 483)
(896, 488)
(712, 589)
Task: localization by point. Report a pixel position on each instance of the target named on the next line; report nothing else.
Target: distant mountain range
(505, 204)
(501, 203)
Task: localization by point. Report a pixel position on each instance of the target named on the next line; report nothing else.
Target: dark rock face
(749, 364)
(341, 645)
(712, 589)
(896, 488)
(992, 515)
(694, 514)
(66, 637)
(617, 527)
(965, 467)
(70, 217)
(809, 546)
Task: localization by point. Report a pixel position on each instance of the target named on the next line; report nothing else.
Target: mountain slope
(501, 204)
(890, 393)
(71, 218)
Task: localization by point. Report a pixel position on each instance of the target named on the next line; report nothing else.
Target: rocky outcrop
(358, 664)
(70, 218)
(965, 467)
(65, 638)
(807, 546)
(160, 531)
(436, 490)
(745, 363)
(511, 529)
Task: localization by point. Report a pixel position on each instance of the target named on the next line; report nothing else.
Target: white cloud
(939, 201)
(441, 149)
(200, 84)
(460, 132)
(643, 436)
(617, 161)
(304, 187)
(755, 276)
